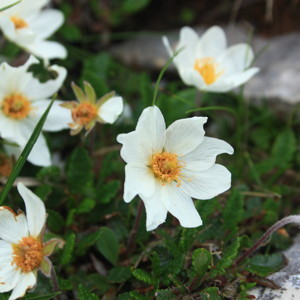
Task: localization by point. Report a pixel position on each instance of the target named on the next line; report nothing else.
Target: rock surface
(288, 278)
(278, 60)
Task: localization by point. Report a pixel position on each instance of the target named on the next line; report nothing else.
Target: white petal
(58, 118)
(35, 210)
(180, 205)
(111, 109)
(47, 49)
(153, 124)
(136, 147)
(40, 154)
(211, 43)
(207, 184)
(220, 86)
(12, 227)
(139, 179)
(36, 90)
(156, 213)
(26, 281)
(235, 59)
(241, 78)
(184, 135)
(47, 22)
(204, 156)
(191, 77)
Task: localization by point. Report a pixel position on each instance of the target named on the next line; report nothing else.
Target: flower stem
(131, 240)
(261, 241)
(55, 284)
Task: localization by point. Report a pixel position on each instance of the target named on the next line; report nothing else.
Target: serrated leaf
(284, 147)
(143, 276)
(87, 241)
(200, 261)
(68, 250)
(233, 211)
(227, 259)
(84, 294)
(119, 274)
(108, 245)
(108, 191)
(264, 265)
(79, 171)
(210, 293)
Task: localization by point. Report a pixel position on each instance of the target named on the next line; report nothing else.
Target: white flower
(22, 251)
(167, 167)
(27, 25)
(206, 63)
(23, 100)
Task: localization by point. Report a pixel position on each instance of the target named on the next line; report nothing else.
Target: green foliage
(264, 265)
(144, 276)
(107, 244)
(67, 254)
(44, 297)
(85, 294)
(200, 261)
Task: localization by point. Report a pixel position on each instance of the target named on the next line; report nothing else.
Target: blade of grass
(22, 159)
(8, 6)
(161, 74)
(213, 108)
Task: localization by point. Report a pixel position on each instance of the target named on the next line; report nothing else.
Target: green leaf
(143, 276)
(108, 191)
(55, 221)
(119, 274)
(132, 6)
(264, 265)
(68, 250)
(227, 259)
(86, 205)
(233, 211)
(284, 147)
(79, 171)
(200, 261)
(26, 151)
(51, 173)
(84, 294)
(210, 293)
(107, 244)
(87, 241)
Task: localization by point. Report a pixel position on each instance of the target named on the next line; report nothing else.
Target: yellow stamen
(84, 113)
(16, 106)
(167, 167)
(5, 165)
(27, 254)
(208, 69)
(19, 22)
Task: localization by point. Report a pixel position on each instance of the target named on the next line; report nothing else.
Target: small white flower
(23, 100)
(167, 167)
(22, 251)
(28, 26)
(206, 63)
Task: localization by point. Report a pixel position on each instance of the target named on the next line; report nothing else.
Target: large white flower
(23, 100)
(22, 251)
(169, 167)
(27, 25)
(206, 63)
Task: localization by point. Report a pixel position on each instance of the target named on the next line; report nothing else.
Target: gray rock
(288, 278)
(278, 59)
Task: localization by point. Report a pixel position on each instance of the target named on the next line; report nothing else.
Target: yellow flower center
(19, 22)
(167, 167)
(5, 165)
(84, 113)
(208, 69)
(16, 106)
(27, 254)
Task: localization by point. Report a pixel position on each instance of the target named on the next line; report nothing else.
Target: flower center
(27, 254)
(16, 106)
(208, 69)
(5, 165)
(19, 22)
(84, 113)
(166, 167)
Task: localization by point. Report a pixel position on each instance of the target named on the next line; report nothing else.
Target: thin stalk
(262, 240)
(131, 241)
(55, 284)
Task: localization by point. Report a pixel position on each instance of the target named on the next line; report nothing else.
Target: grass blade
(9, 6)
(22, 159)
